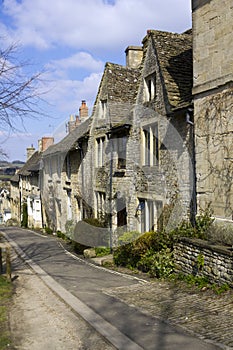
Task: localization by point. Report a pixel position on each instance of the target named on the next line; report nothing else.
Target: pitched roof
(119, 86)
(68, 141)
(174, 52)
(32, 165)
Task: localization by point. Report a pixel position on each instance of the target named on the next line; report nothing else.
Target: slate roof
(32, 165)
(174, 52)
(119, 86)
(68, 141)
(119, 83)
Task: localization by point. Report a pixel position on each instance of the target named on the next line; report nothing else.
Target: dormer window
(150, 87)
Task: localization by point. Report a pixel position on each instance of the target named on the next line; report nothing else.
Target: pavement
(130, 312)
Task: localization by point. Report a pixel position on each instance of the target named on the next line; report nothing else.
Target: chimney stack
(71, 125)
(30, 151)
(83, 111)
(133, 56)
(44, 143)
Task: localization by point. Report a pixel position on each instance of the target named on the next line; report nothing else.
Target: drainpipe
(189, 113)
(110, 195)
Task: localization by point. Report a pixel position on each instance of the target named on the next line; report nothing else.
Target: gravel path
(39, 320)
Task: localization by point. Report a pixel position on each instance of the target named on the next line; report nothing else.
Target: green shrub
(62, 236)
(157, 264)
(48, 230)
(199, 281)
(122, 256)
(102, 251)
(78, 247)
(220, 289)
(130, 254)
(152, 251)
(203, 224)
(128, 237)
(24, 222)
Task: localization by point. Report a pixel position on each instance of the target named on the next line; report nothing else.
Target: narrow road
(82, 287)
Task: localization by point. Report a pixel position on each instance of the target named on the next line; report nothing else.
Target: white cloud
(66, 94)
(67, 35)
(93, 24)
(79, 60)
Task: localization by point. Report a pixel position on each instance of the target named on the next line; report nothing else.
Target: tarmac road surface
(81, 285)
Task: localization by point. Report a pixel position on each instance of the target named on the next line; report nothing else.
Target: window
(150, 88)
(69, 206)
(100, 150)
(68, 167)
(121, 152)
(121, 212)
(103, 109)
(149, 212)
(100, 204)
(150, 145)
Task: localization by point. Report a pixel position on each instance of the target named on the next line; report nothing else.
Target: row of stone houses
(157, 146)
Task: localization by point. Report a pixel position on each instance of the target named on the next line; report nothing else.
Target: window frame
(150, 145)
(150, 87)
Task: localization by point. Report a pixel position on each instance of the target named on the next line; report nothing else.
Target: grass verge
(5, 296)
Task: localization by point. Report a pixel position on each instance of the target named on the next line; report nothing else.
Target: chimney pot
(83, 111)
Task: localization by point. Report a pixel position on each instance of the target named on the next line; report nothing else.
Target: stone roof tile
(69, 141)
(174, 52)
(32, 165)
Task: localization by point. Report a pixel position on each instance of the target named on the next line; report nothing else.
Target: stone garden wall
(198, 257)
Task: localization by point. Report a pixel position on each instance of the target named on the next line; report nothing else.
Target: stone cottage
(25, 188)
(213, 104)
(110, 133)
(162, 132)
(132, 159)
(62, 176)
(142, 136)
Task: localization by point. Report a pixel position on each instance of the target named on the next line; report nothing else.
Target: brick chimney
(83, 111)
(133, 56)
(30, 151)
(44, 143)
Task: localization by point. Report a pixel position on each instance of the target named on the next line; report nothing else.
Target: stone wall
(212, 90)
(198, 257)
(212, 43)
(214, 149)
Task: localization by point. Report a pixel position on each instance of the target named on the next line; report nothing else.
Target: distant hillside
(18, 162)
(8, 169)
(15, 163)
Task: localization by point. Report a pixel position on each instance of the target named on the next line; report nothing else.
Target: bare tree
(19, 94)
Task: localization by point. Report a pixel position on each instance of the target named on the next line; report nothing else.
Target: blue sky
(71, 40)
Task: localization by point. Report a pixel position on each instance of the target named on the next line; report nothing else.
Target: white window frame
(149, 210)
(150, 145)
(150, 87)
(100, 151)
(103, 109)
(100, 198)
